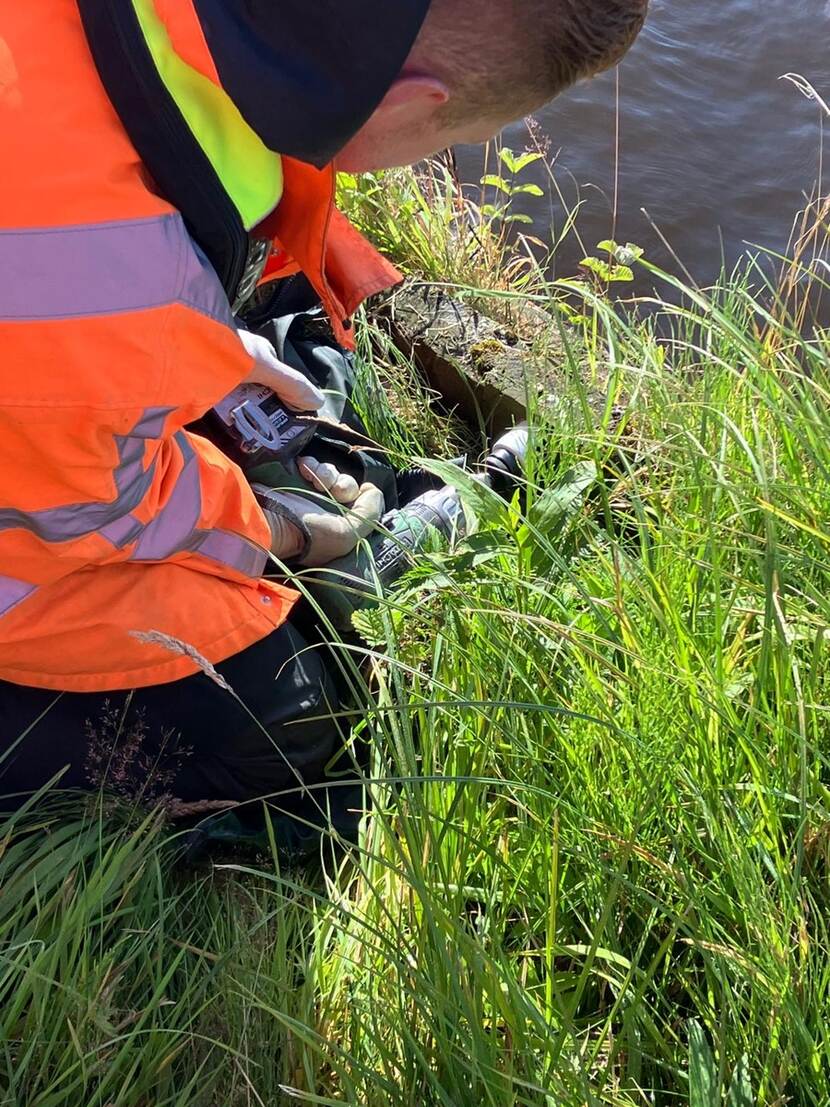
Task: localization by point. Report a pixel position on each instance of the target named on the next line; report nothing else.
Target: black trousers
(189, 741)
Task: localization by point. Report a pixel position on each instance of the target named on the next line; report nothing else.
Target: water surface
(713, 144)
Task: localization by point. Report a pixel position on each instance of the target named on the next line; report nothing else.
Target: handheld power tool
(254, 427)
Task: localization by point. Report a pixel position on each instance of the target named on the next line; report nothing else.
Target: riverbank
(597, 872)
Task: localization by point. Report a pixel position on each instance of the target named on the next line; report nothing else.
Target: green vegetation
(599, 868)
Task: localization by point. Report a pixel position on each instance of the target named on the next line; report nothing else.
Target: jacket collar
(311, 235)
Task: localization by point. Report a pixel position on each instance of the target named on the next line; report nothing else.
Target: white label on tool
(252, 393)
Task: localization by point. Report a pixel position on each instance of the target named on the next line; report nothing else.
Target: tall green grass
(598, 867)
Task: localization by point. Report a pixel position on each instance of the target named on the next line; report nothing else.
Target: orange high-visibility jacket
(115, 334)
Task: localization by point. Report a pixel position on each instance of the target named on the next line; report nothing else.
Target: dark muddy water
(713, 144)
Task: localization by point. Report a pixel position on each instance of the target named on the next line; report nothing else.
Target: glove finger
(294, 389)
(327, 475)
(307, 468)
(345, 489)
(322, 476)
(291, 386)
(367, 510)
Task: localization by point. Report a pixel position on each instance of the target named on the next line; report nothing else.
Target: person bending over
(161, 159)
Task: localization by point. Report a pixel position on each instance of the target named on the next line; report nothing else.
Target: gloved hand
(326, 525)
(295, 390)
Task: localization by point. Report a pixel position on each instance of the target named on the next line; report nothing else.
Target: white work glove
(309, 532)
(295, 390)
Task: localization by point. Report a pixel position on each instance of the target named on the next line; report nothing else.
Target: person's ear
(414, 93)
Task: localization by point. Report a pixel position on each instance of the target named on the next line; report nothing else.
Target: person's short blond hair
(508, 57)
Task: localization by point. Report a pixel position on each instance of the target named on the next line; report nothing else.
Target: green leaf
(517, 217)
(508, 158)
(478, 498)
(528, 189)
(740, 1087)
(609, 273)
(576, 285)
(544, 539)
(703, 1072)
(622, 273)
(559, 504)
(370, 625)
(478, 549)
(597, 265)
(526, 159)
(492, 181)
(574, 317)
